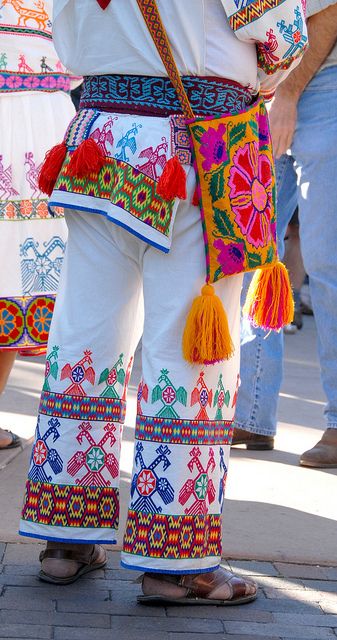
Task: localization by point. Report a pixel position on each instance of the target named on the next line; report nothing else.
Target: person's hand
(282, 117)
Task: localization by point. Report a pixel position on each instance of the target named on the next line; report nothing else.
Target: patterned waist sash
(156, 96)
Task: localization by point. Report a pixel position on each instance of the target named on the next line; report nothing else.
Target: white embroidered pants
(110, 280)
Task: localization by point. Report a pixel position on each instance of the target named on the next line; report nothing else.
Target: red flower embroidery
(250, 185)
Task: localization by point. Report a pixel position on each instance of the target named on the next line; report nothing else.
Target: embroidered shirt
(28, 60)
(209, 38)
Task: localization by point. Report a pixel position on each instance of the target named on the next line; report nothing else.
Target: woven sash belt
(156, 96)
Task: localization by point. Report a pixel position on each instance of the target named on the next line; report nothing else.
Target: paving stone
(306, 571)
(203, 636)
(284, 604)
(223, 613)
(279, 582)
(119, 574)
(320, 585)
(144, 625)
(294, 594)
(26, 599)
(178, 625)
(114, 559)
(82, 586)
(126, 606)
(21, 569)
(19, 580)
(254, 568)
(225, 636)
(328, 606)
(55, 618)
(17, 553)
(279, 630)
(306, 619)
(25, 631)
(67, 633)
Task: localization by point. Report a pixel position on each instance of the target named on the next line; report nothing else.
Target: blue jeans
(307, 178)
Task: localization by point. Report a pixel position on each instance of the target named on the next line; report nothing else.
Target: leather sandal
(16, 441)
(197, 588)
(95, 560)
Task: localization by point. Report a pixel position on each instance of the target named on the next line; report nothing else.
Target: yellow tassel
(206, 336)
(269, 303)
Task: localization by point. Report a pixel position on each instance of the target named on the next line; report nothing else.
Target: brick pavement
(295, 602)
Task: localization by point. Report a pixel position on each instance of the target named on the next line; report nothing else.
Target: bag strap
(158, 33)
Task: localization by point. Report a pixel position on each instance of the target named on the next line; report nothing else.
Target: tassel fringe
(172, 182)
(195, 199)
(86, 159)
(269, 303)
(206, 338)
(51, 168)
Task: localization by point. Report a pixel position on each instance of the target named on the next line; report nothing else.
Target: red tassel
(86, 159)
(195, 199)
(51, 168)
(172, 182)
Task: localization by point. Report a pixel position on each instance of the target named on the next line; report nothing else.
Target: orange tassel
(269, 303)
(86, 159)
(172, 182)
(51, 168)
(195, 199)
(206, 336)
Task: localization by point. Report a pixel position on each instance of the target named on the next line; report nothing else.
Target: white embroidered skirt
(32, 242)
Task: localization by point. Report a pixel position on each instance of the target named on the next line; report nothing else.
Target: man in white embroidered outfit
(155, 249)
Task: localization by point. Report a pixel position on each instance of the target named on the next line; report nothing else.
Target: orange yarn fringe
(206, 337)
(269, 303)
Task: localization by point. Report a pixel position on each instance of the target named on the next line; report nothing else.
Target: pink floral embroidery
(250, 193)
(213, 146)
(231, 256)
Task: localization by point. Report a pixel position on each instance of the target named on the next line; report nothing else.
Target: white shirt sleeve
(278, 29)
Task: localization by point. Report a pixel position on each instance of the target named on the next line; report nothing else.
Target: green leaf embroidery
(217, 184)
(236, 133)
(254, 260)
(254, 127)
(223, 223)
(197, 132)
(217, 274)
(270, 254)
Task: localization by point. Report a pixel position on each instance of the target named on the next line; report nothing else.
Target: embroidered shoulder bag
(232, 157)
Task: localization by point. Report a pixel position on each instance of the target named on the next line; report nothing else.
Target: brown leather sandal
(95, 560)
(197, 588)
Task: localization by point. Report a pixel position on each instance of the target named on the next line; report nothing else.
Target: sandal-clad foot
(63, 563)
(219, 587)
(8, 440)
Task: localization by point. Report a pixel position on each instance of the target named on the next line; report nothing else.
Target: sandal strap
(202, 585)
(66, 554)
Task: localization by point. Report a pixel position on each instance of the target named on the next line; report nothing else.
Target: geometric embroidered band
(178, 431)
(156, 96)
(71, 505)
(157, 535)
(62, 405)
